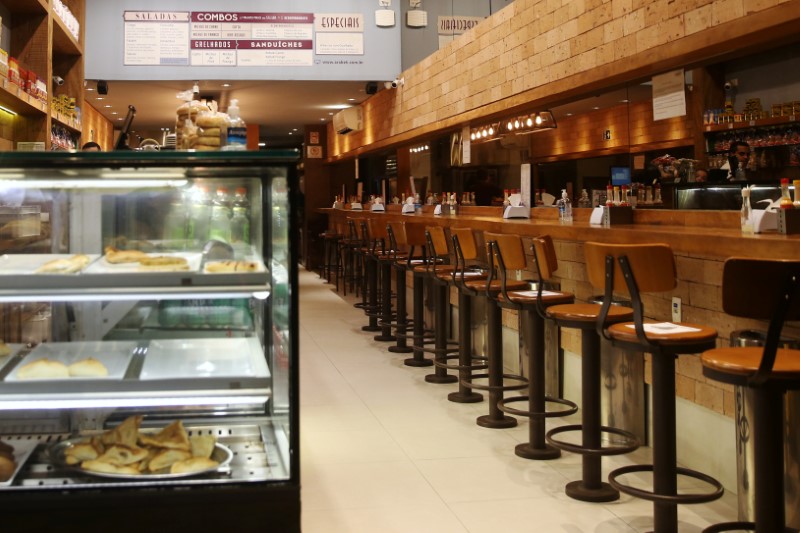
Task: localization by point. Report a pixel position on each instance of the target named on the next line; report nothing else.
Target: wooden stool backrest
(544, 253)
(400, 235)
(510, 248)
(653, 266)
(752, 288)
(377, 228)
(466, 241)
(353, 228)
(415, 234)
(438, 240)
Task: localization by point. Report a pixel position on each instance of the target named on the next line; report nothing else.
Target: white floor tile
(384, 451)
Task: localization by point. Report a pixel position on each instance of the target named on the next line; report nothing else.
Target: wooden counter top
(702, 233)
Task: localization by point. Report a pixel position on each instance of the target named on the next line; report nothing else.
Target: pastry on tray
(163, 263)
(232, 266)
(70, 265)
(116, 256)
(43, 369)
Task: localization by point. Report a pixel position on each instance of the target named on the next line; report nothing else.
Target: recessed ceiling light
(569, 114)
(596, 108)
(89, 89)
(322, 119)
(331, 114)
(336, 106)
(226, 84)
(108, 105)
(294, 129)
(351, 99)
(262, 144)
(99, 98)
(624, 101)
(120, 118)
(114, 113)
(291, 133)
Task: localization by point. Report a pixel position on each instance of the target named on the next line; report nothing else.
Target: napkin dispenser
(408, 209)
(377, 208)
(517, 211)
(764, 220)
(610, 216)
(444, 209)
(356, 206)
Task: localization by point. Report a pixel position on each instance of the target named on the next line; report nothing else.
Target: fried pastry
(173, 436)
(195, 464)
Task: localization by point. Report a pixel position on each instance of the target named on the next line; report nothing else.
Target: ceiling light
(624, 101)
(226, 84)
(108, 105)
(322, 119)
(538, 119)
(89, 89)
(596, 108)
(569, 114)
(510, 125)
(290, 133)
(7, 110)
(294, 129)
(99, 98)
(331, 114)
(516, 124)
(351, 99)
(529, 122)
(472, 136)
(114, 113)
(262, 144)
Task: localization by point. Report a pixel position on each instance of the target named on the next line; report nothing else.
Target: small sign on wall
(314, 152)
(313, 137)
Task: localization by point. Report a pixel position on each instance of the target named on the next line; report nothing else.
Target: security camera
(58, 80)
(728, 86)
(395, 83)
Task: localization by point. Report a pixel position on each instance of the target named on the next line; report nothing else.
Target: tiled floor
(384, 451)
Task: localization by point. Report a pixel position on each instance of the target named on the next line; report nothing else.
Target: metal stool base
(471, 397)
(602, 451)
(385, 338)
(737, 526)
(400, 349)
(487, 421)
(370, 329)
(605, 493)
(417, 362)
(526, 451)
(433, 378)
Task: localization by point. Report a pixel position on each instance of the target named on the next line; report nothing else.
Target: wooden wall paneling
(95, 127)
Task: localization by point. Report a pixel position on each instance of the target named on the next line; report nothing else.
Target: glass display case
(148, 369)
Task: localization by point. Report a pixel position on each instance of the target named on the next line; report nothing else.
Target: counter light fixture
(7, 110)
(538, 121)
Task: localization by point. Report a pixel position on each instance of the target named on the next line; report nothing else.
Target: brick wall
(537, 52)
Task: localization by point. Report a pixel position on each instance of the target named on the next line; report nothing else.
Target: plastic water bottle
(740, 175)
(237, 131)
(564, 208)
(240, 222)
(199, 214)
(176, 223)
(220, 226)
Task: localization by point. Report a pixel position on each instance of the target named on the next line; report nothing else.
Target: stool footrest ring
(573, 407)
(602, 451)
(463, 367)
(668, 498)
(523, 383)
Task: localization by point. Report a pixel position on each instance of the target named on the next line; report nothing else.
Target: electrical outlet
(676, 309)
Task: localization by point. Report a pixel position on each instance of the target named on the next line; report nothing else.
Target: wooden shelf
(63, 41)
(38, 7)
(69, 123)
(760, 123)
(18, 101)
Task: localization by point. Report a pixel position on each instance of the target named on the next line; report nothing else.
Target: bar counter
(705, 233)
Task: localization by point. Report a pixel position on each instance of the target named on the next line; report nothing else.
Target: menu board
(238, 39)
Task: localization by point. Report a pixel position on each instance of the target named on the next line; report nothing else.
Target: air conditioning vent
(347, 120)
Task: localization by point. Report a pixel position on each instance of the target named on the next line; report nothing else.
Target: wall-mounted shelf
(760, 123)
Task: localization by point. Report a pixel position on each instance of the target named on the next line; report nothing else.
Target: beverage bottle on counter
(564, 208)
(505, 197)
(746, 214)
(657, 194)
(786, 199)
(176, 223)
(240, 222)
(609, 196)
(199, 214)
(237, 131)
(740, 175)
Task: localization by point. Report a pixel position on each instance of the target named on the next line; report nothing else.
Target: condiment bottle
(786, 200)
(797, 194)
(623, 200)
(609, 196)
(746, 214)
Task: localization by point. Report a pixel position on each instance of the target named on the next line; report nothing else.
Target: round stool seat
(531, 297)
(588, 313)
(626, 332)
(496, 285)
(423, 269)
(737, 365)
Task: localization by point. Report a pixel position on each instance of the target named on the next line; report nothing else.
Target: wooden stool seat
(626, 332)
(530, 298)
(588, 313)
(742, 363)
(495, 286)
(425, 269)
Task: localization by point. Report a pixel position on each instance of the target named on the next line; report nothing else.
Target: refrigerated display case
(138, 326)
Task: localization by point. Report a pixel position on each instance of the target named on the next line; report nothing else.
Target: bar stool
(348, 247)
(385, 257)
(439, 272)
(495, 376)
(330, 250)
(765, 290)
(531, 306)
(645, 268)
(590, 487)
(412, 237)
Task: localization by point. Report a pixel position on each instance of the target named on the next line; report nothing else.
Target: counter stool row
(615, 269)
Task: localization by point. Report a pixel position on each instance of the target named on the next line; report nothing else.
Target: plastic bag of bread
(212, 129)
(185, 127)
